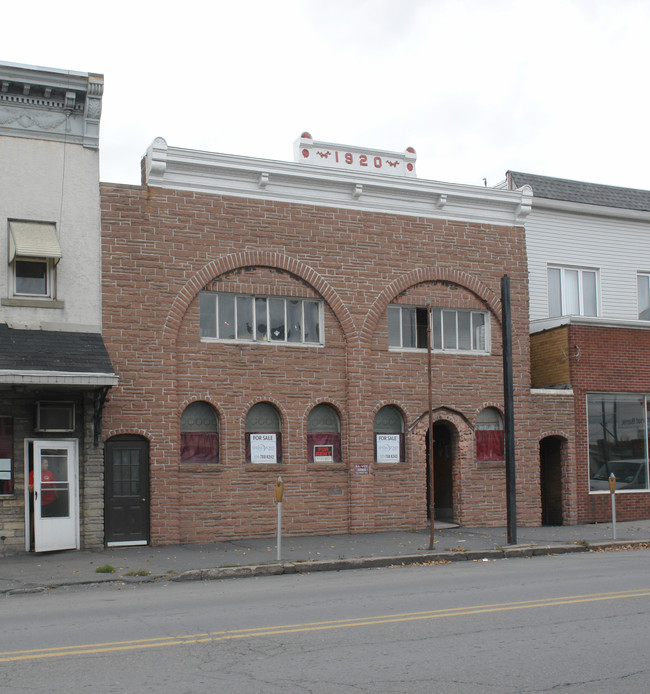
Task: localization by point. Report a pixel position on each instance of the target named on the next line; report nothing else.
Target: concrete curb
(299, 567)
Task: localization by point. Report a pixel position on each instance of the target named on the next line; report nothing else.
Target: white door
(55, 500)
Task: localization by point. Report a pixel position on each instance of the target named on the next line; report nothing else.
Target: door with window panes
(54, 502)
(126, 491)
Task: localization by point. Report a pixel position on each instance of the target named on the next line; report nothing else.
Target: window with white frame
(643, 295)
(451, 329)
(246, 318)
(34, 252)
(572, 291)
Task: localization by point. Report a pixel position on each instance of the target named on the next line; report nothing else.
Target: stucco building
(54, 368)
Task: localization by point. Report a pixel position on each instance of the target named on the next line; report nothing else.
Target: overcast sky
(477, 87)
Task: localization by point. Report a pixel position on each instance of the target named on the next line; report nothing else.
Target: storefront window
(618, 441)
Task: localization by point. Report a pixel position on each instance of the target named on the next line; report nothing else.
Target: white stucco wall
(54, 182)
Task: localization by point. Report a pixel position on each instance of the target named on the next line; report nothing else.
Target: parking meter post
(612, 493)
(279, 492)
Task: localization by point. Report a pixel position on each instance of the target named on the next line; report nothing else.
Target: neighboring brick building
(269, 318)
(54, 368)
(589, 268)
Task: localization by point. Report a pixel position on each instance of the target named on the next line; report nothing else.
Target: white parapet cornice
(224, 174)
(49, 104)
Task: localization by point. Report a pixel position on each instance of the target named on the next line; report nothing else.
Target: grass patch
(105, 569)
(138, 572)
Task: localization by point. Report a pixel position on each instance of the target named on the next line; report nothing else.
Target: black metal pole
(432, 505)
(508, 406)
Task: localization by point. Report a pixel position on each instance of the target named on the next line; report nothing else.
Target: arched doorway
(550, 475)
(443, 460)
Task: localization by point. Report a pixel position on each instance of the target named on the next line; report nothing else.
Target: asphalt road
(574, 623)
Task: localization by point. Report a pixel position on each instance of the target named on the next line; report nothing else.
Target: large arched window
(489, 435)
(199, 434)
(323, 435)
(389, 435)
(263, 434)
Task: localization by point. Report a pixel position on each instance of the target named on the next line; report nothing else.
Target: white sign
(388, 446)
(307, 151)
(5, 468)
(264, 448)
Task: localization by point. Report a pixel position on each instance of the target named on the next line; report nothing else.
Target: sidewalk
(35, 572)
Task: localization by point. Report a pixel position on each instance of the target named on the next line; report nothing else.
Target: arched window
(199, 434)
(323, 435)
(388, 428)
(489, 435)
(263, 434)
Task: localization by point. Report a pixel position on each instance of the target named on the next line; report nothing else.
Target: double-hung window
(34, 252)
(451, 329)
(572, 291)
(246, 318)
(643, 295)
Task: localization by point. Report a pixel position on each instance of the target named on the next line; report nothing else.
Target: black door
(550, 454)
(126, 491)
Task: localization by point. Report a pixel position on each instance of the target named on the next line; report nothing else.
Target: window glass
(311, 321)
(263, 435)
(572, 293)
(261, 319)
(554, 292)
(199, 434)
(208, 308)
(643, 291)
(617, 430)
(452, 329)
(226, 307)
(276, 319)
(31, 277)
(245, 318)
(408, 327)
(388, 428)
(449, 330)
(489, 435)
(294, 320)
(590, 300)
(478, 331)
(394, 326)
(323, 435)
(464, 330)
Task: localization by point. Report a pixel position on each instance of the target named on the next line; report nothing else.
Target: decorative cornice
(48, 104)
(223, 174)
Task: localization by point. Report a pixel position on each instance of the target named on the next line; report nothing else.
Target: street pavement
(29, 572)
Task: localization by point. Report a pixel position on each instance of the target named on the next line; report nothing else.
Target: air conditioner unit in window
(54, 416)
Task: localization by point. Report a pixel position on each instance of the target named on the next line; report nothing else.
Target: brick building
(269, 318)
(589, 270)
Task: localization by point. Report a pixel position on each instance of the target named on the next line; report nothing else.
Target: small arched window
(323, 435)
(199, 434)
(489, 435)
(263, 434)
(388, 428)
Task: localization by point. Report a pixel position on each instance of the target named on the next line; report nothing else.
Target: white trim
(215, 173)
(130, 543)
(552, 391)
(58, 377)
(538, 326)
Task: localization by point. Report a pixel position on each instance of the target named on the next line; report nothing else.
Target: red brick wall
(161, 247)
(606, 360)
